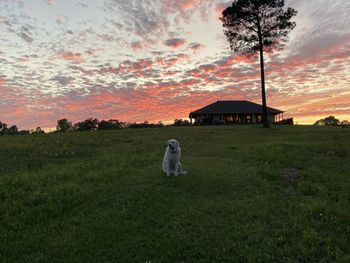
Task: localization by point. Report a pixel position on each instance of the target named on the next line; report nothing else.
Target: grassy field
(251, 195)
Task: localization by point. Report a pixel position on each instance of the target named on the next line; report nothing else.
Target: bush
(110, 125)
(345, 124)
(181, 122)
(146, 124)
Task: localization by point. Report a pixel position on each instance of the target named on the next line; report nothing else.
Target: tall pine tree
(253, 26)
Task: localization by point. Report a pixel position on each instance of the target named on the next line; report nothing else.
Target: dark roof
(234, 106)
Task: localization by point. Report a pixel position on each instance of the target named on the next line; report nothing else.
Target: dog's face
(173, 145)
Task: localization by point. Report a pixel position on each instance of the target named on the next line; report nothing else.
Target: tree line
(13, 130)
(64, 125)
(90, 124)
(332, 121)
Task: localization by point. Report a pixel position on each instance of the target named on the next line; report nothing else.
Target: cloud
(175, 42)
(50, 2)
(138, 67)
(2, 81)
(169, 61)
(63, 80)
(26, 33)
(195, 47)
(141, 17)
(70, 56)
(62, 19)
(27, 58)
(26, 37)
(146, 68)
(220, 7)
(136, 45)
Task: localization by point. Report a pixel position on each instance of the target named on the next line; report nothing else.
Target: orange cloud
(70, 56)
(153, 102)
(188, 4)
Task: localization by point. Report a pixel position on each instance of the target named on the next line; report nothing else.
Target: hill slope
(251, 194)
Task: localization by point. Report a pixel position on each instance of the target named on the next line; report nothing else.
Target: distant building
(234, 111)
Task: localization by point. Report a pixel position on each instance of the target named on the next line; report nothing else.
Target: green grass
(251, 195)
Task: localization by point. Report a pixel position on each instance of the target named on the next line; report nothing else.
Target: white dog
(171, 160)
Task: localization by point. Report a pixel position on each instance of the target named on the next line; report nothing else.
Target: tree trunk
(263, 93)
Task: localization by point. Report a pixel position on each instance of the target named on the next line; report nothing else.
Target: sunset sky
(157, 60)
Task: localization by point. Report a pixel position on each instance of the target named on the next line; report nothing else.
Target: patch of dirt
(291, 175)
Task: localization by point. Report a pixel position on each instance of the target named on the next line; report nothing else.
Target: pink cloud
(168, 62)
(2, 82)
(188, 4)
(220, 7)
(180, 5)
(153, 102)
(144, 67)
(27, 58)
(137, 67)
(136, 45)
(50, 2)
(70, 56)
(175, 42)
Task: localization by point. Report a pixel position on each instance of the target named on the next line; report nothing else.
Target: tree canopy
(246, 22)
(329, 121)
(63, 125)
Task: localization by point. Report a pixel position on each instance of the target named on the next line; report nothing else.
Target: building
(234, 111)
